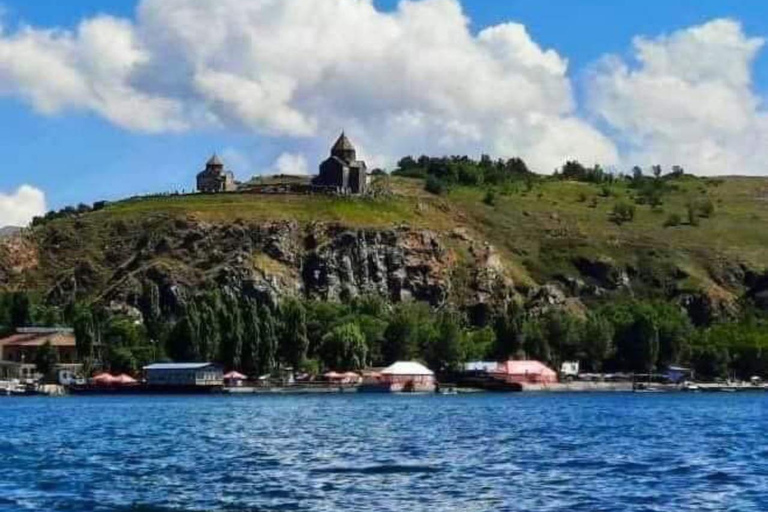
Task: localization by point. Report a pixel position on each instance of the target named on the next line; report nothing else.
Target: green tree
(295, 342)
(232, 332)
(252, 341)
(210, 328)
(344, 348)
(21, 310)
(122, 360)
(598, 341)
(508, 327)
(409, 333)
(623, 212)
(535, 341)
(269, 344)
(85, 332)
(446, 351)
(46, 358)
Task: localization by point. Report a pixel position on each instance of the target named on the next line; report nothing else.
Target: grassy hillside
(539, 229)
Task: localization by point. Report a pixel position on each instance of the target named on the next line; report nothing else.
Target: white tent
(407, 368)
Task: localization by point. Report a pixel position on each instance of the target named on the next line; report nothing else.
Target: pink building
(525, 372)
(401, 377)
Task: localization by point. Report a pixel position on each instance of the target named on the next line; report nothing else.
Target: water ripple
(588, 453)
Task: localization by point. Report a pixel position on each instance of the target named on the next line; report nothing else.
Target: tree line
(259, 338)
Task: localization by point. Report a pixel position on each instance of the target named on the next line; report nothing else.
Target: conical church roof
(343, 144)
(214, 160)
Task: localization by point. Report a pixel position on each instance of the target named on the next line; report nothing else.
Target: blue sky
(77, 155)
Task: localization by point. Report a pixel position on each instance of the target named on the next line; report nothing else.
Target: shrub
(623, 212)
(674, 219)
(435, 186)
(693, 218)
(706, 208)
(490, 198)
(582, 197)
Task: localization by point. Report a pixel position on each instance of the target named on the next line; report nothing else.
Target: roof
(407, 368)
(481, 366)
(57, 338)
(342, 144)
(178, 366)
(524, 367)
(214, 160)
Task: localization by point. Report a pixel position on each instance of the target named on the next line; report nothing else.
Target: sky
(103, 100)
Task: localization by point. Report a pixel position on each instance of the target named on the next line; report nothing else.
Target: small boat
(691, 387)
(448, 391)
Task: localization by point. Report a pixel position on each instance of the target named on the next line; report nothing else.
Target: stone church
(343, 171)
(215, 179)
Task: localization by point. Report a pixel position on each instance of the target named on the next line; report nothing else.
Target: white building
(184, 374)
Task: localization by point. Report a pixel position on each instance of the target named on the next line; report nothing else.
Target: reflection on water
(432, 453)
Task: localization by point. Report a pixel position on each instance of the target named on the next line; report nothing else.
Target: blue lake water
(571, 452)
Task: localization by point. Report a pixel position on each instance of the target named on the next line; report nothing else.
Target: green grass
(354, 212)
(537, 232)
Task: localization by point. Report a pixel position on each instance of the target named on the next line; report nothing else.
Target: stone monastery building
(342, 173)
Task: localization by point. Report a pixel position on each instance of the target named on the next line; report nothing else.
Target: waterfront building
(401, 377)
(524, 372)
(18, 351)
(234, 379)
(200, 375)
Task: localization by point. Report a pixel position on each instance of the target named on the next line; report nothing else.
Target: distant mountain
(9, 231)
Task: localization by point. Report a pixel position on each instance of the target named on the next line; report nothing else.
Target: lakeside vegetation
(674, 234)
(314, 336)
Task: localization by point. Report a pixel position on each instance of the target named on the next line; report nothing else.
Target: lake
(543, 452)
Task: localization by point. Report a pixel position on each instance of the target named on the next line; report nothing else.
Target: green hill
(544, 244)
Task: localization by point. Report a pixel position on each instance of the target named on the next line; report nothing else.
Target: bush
(693, 218)
(490, 198)
(706, 208)
(674, 219)
(435, 186)
(623, 212)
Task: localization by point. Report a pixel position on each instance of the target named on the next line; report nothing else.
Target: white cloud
(18, 208)
(410, 81)
(89, 70)
(688, 100)
(288, 163)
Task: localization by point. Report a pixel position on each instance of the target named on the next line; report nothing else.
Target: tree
(675, 330)
(446, 352)
(210, 328)
(183, 340)
(344, 348)
(85, 332)
(294, 343)
(231, 323)
(598, 341)
(490, 198)
(693, 217)
(408, 333)
(252, 337)
(21, 310)
(673, 220)
(46, 358)
(638, 340)
(563, 332)
(268, 347)
(508, 327)
(122, 360)
(536, 344)
(623, 212)
(435, 186)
